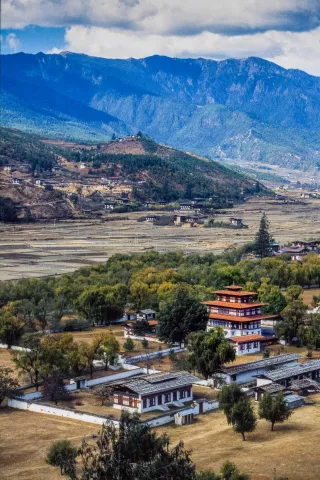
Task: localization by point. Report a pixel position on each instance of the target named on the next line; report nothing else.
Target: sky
(286, 32)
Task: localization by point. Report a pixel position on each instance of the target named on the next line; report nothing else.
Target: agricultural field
(60, 247)
(26, 437)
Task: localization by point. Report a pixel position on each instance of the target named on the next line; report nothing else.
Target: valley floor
(60, 247)
(293, 449)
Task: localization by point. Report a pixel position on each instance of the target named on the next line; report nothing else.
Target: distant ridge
(242, 109)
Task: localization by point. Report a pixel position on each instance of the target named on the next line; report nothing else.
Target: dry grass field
(60, 247)
(293, 449)
(25, 438)
(308, 295)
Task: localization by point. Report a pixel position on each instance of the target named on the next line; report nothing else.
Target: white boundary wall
(59, 412)
(14, 347)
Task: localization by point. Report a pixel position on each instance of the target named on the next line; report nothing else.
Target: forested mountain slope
(250, 108)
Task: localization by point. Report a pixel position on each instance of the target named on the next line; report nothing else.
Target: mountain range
(240, 109)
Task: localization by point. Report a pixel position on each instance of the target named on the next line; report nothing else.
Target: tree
(53, 387)
(209, 351)
(7, 383)
(144, 344)
(110, 348)
(93, 351)
(103, 393)
(229, 471)
(99, 305)
(243, 418)
(272, 295)
(293, 314)
(180, 316)
(263, 240)
(30, 359)
(129, 345)
(62, 454)
(41, 311)
(274, 409)
(11, 328)
(134, 452)
(229, 395)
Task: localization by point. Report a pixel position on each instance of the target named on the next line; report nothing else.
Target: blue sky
(286, 32)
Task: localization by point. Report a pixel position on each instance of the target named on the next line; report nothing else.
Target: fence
(23, 404)
(14, 347)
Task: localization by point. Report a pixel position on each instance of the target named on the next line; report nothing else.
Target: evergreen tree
(243, 418)
(263, 241)
(274, 409)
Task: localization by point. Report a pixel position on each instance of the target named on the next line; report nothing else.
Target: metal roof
(287, 372)
(271, 388)
(159, 382)
(146, 311)
(265, 363)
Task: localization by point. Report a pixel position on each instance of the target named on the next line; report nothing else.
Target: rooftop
(234, 292)
(233, 318)
(287, 372)
(158, 382)
(238, 305)
(147, 311)
(265, 363)
(249, 338)
(271, 388)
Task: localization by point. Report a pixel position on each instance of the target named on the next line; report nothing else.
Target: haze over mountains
(247, 109)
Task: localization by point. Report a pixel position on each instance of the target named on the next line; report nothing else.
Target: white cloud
(166, 16)
(289, 49)
(13, 42)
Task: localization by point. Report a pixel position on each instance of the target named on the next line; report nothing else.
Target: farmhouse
(146, 314)
(236, 221)
(247, 372)
(288, 374)
(154, 392)
(16, 181)
(240, 316)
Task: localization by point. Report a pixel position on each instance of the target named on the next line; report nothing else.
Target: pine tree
(263, 241)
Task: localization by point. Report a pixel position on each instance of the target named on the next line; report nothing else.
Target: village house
(185, 206)
(146, 314)
(247, 372)
(288, 374)
(109, 205)
(154, 392)
(16, 181)
(240, 316)
(7, 168)
(150, 204)
(237, 222)
(151, 218)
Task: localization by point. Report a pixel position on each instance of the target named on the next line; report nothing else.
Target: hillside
(240, 109)
(45, 178)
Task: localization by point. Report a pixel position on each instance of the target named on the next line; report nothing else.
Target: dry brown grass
(25, 439)
(293, 449)
(6, 360)
(308, 295)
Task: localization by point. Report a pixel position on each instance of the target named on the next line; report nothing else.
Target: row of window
(248, 346)
(235, 299)
(166, 398)
(237, 313)
(236, 326)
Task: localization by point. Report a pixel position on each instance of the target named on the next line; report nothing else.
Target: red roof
(153, 322)
(238, 305)
(249, 338)
(234, 293)
(234, 287)
(236, 319)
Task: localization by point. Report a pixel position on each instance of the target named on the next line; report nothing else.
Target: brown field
(61, 247)
(6, 359)
(293, 449)
(308, 295)
(25, 438)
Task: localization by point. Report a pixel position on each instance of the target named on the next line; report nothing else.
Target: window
(188, 392)
(167, 397)
(174, 396)
(255, 345)
(249, 346)
(182, 393)
(242, 346)
(152, 401)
